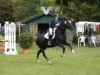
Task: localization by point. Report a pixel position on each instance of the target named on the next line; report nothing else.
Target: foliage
(27, 8)
(81, 9)
(6, 11)
(91, 2)
(23, 9)
(47, 3)
(19, 10)
(25, 40)
(63, 2)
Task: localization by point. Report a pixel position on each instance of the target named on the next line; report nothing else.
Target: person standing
(89, 32)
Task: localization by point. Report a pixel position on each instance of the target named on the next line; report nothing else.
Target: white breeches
(52, 31)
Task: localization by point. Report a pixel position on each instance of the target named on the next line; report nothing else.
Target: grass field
(85, 61)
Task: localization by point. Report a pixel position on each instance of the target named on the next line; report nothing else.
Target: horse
(59, 40)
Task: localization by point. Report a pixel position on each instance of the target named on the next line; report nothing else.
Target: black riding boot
(50, 38)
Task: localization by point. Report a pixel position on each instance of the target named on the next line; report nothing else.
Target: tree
(23, 9)
(58, 2)
(27, 8)
(6, 11)
(91, 2)
(63, 2)
(81, 9)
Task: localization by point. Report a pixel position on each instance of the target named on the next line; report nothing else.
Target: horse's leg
(38, 53)
(43, 52)
(60, 45)
(72, 50)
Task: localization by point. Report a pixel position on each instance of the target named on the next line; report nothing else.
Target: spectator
(89, 32)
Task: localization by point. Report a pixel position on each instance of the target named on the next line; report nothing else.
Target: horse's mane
(61, 27)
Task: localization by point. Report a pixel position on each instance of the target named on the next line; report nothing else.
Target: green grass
(85, 61)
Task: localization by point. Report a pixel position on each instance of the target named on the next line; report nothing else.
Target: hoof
(62, 54)
(49, 62)
(38, 61)
(73, 51)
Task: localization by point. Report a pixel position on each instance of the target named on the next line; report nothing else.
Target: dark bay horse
(59, 40)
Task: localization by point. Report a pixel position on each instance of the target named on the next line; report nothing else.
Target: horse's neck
(61, 29)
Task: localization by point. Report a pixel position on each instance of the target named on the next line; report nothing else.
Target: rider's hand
(57, 24)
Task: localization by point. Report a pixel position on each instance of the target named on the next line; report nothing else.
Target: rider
(53, 25)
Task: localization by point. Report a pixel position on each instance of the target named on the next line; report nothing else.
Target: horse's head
(66, 25)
